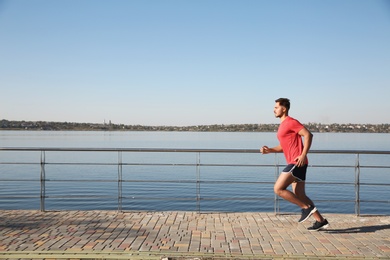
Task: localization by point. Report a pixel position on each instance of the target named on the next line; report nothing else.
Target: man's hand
(264, 149)
(301, 160)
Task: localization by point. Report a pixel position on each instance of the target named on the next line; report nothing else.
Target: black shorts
(298, 172)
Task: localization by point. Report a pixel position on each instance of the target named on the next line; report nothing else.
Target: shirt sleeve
(296, 126)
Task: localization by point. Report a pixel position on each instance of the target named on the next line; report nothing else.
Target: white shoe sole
(321, 228)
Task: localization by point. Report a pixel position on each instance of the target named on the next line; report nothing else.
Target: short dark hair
(285, 102)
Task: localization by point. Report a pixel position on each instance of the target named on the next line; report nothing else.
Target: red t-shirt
(290, 140)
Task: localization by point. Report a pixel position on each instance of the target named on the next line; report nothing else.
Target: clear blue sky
(194, 62)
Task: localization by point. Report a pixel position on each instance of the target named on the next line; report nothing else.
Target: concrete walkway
(27, 234)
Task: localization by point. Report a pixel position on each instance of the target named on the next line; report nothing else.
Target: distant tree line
(64, 126)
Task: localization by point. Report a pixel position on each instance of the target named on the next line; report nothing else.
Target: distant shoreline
(69, 126)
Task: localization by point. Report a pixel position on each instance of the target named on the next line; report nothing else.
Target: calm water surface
(167, 187)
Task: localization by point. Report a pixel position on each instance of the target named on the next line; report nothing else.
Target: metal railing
(198, 181)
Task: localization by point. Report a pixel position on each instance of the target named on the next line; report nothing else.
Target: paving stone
(231, 234)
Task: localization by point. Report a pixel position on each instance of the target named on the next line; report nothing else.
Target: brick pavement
(28, 234)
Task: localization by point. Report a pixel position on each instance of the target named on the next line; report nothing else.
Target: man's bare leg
(280, 189)
(299, 191)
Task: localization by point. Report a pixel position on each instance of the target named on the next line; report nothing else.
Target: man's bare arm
(307, 140)
(265, 149)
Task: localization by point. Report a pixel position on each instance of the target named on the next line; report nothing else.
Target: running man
(290, 135)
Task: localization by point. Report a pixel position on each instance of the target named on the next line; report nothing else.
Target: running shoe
(306, 213)
(319, 225)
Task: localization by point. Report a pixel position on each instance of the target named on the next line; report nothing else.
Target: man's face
(279, 110)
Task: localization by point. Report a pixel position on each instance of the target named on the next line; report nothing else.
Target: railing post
(43, 181)
(120, 181)
(357, 186)
(198, 181)
(276, 197)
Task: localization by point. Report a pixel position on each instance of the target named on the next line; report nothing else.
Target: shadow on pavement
(365, 229)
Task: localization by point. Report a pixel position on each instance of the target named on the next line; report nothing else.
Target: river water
(172, 185)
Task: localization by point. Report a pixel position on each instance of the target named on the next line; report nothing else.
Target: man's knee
(278, 191)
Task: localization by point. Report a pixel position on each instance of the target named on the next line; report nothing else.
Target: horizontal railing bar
(349, 166)
(202, 182)
(164, 150)
(331, 166)
(172, 198)
(374, 167)
(20, 180)
(201, 164)
(163, 164)
(20, 197)
(78, 164)
(153, 198)
(148, 181)
(271, 199)
(376, 201)
(53, 180)
(374, 184)
(328, 182)
(192, 165)
(224, 198)
(78, 196)
(167, 198)
(159, 150)
(190, 181)
(194, 198)
(168, 181)
(25, 163)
